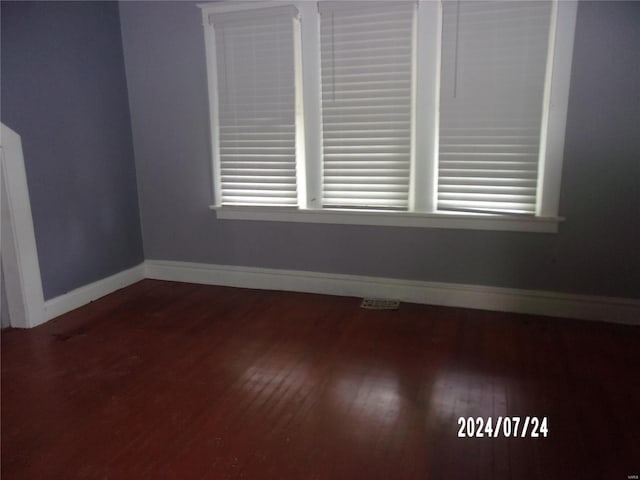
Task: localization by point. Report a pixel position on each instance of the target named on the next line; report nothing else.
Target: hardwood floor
(168, 380)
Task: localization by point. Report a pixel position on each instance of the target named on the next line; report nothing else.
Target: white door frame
(23, 283)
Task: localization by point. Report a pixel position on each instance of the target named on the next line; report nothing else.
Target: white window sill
(516, 223)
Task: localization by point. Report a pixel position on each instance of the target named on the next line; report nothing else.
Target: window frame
(422, 208)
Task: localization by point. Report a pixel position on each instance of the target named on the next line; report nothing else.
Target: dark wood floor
(167, 380)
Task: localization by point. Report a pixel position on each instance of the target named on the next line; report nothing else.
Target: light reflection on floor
(262, 380)
(468, 393)
(370, 404)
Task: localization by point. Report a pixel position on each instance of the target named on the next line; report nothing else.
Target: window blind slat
(256, 106)
(366, 78)
(492, 84)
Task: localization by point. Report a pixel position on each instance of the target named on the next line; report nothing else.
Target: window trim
(469, 221)
(556, 105)
(429, 24)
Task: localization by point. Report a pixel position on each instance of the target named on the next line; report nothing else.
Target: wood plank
(174, 380)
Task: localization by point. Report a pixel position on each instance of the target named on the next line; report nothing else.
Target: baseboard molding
(88, 293)
(585, 307)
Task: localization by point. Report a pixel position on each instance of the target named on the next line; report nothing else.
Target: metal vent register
(379, 304)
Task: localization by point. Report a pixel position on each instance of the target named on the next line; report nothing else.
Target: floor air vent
(379, 304)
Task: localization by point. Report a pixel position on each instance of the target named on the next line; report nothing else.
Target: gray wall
(64, 91)
(5, 319)
(596, 251)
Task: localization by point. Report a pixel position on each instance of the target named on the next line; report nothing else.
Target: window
(437, 114)
(256, 106)
(366, 104)
(494, 58)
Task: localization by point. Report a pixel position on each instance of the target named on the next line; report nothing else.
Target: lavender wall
(596, 251)
(5, 319)
(64, 91)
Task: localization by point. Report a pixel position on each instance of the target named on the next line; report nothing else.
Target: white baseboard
(585, 307)
(83, 295)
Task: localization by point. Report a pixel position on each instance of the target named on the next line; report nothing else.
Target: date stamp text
(506, 427)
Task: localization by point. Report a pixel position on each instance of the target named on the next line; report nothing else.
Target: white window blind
(366, 67)
(494, 60)
(256, 106)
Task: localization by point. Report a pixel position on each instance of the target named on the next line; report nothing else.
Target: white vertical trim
(555, 116)
(212, 83)
(425, 179)
(301, 162)
(546, 103)
(310, 19)
(23, 283)
(414, 108)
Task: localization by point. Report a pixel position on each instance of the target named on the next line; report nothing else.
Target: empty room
(320, 240)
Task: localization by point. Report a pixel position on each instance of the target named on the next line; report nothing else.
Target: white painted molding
(467, 221)
(88, 293)
(19, 252)
(556, 104)
(26, 304)
(585, 307)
